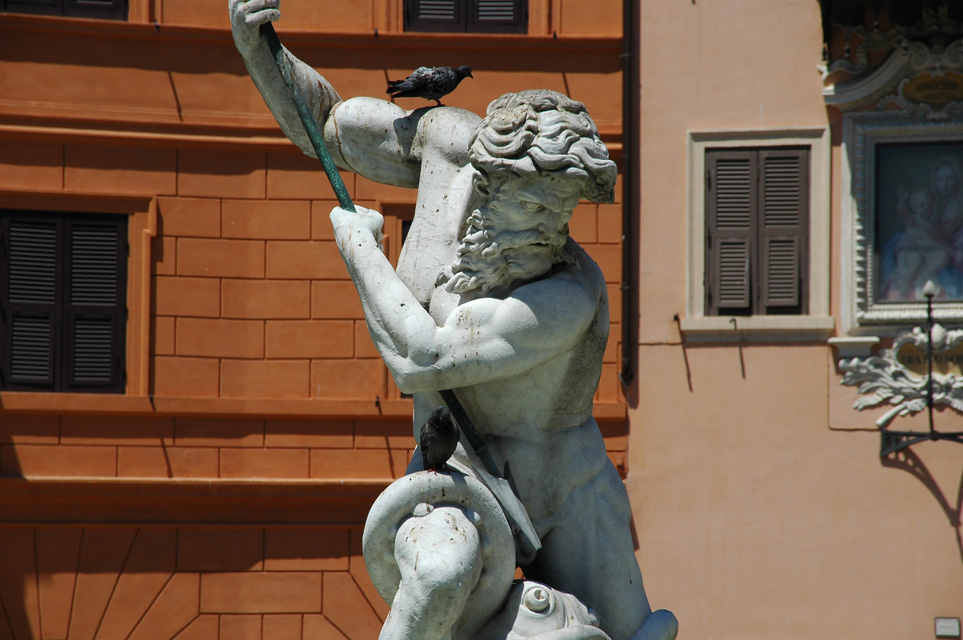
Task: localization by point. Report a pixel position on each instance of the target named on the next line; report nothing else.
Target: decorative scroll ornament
(919, 78)
(890, 377)
(870, 41)
(935, 89)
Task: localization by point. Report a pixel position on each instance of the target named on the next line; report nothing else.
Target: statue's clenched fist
(247, 16)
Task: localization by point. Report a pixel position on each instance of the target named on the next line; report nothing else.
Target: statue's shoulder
(580, 266)
(452, 117)
(447, 129)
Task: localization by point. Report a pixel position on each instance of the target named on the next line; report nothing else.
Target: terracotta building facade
(191, 451)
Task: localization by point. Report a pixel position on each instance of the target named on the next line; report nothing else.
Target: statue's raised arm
(374, 138)
(247, 16)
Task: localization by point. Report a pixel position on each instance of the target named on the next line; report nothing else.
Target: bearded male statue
(492, 300)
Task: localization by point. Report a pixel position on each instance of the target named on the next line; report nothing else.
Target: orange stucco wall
(763, 508)
(224, 494)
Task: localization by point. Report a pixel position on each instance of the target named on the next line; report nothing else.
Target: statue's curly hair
(542, 132)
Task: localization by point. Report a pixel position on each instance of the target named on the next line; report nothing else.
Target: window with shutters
(467, 16)
(63, 300)
(100, 9)
(757, 214)
(758, 241)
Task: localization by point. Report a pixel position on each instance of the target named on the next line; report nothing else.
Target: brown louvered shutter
(783, 229)
(95, 304)
(731, 211)
(31, 286)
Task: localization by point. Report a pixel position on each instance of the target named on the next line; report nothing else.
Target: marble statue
(493, 300)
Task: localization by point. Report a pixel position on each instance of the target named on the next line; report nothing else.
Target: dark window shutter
(731, 203)
(784, 229)
(435, 15)
(100, 9)
(95, 302)
(498, 16)
(31, 275)
(41, 7)
(473, 16)
(63, 298)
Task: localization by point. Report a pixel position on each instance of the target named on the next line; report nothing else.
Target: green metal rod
(307, 118)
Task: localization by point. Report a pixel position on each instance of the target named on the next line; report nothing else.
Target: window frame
(817, 323)
(141, 228)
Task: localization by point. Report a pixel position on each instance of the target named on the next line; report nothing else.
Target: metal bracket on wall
(896, 377)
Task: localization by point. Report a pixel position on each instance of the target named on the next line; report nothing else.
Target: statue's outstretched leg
(439, 556)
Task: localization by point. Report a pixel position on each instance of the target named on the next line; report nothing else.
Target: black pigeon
(430, 83)
(438, 439)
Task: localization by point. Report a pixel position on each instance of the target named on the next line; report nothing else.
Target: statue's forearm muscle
(318, 93)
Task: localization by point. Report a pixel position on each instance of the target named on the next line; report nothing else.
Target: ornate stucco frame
(862, 133)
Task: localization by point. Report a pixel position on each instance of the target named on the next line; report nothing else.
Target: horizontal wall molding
(100, 404)
(132, 500)
(84, 135)
(371, 41)
(234, 139)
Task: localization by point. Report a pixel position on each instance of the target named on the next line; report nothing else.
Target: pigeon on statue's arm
(430, 83)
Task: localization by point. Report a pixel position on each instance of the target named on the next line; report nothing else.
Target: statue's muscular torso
(543, 420)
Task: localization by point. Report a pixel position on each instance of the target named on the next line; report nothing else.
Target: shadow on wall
(910, 462)
(188, 582)
(204, 54)
(201, 564)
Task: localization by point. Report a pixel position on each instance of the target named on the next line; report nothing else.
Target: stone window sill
(757, 328)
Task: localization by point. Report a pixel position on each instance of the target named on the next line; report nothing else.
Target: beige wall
(761, 505)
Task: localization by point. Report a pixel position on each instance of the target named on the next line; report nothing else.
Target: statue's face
(532, 215)
(517, 235)
(532, 201)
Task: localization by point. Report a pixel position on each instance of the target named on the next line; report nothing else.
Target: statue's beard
(489, 260)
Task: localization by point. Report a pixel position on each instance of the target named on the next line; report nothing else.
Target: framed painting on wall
(919, 221)
(903, 219)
